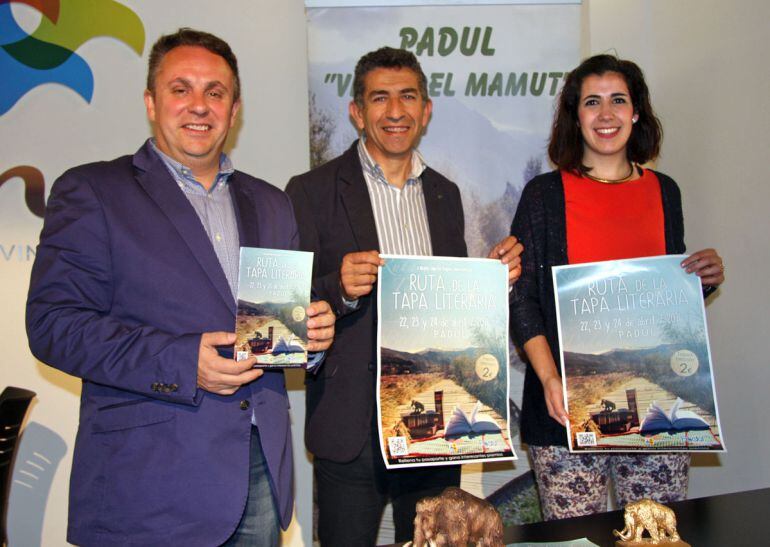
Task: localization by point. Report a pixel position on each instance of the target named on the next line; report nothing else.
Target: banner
(493, 74)
(442, 335)
(635, 356)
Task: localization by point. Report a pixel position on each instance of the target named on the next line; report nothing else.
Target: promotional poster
(273, 293)
(442, 350)
(636, 363)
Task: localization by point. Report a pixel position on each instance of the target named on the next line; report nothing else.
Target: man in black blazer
(378, 196)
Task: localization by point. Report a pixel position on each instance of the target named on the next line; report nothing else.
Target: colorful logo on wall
(34, 186)
(47, 55)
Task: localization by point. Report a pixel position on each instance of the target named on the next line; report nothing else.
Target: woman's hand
(540, 356)
(554, 399)
(707, 265)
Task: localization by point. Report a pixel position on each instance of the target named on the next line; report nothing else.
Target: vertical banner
(493, 74)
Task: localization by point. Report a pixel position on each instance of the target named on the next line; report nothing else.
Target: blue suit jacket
(125, 281)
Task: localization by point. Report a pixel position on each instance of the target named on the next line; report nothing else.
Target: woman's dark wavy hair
(565, 147)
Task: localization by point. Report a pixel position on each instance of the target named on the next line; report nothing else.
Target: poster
(442, 379)
(636, 363)
(273, 294)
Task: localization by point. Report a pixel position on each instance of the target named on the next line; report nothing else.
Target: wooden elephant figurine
(457, 518)
(657, 519)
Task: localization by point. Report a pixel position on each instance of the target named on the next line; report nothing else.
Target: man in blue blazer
(133, 290)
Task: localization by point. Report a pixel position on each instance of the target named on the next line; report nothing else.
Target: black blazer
(335, 218)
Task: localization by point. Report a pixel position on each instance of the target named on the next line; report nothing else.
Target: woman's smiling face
(606, 117)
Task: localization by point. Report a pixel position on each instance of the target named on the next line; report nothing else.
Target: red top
(613, 221)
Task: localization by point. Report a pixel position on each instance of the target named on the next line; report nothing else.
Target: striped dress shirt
(399, 213)
(216, 211)
(214, 208)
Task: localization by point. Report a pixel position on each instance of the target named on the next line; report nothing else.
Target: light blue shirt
(216, 211)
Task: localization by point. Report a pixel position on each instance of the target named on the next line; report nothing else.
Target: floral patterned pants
(571, 485)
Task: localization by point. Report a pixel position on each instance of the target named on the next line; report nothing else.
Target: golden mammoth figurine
(657, 519)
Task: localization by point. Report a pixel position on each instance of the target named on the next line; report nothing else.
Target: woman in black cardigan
(603, 129)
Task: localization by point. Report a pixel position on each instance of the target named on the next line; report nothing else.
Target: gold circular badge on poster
(684, 362)
(298, 313)
(487, 367)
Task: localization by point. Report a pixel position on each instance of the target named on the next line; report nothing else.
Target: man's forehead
(401, 78)
(194, 60)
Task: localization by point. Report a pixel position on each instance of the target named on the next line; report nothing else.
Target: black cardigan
(540, 225)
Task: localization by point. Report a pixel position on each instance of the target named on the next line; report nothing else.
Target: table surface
(728, 520)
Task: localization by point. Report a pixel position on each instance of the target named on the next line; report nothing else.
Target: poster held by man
(442, 337)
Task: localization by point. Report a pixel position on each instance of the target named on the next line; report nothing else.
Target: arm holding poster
(541, 358)
(707, 265)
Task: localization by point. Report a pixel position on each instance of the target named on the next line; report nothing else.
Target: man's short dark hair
(565, 147)
(191, 37)
(387, 57)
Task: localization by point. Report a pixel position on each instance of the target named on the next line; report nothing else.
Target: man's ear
(356, 112)
(426, 111)
(149, 103)
(234, 112)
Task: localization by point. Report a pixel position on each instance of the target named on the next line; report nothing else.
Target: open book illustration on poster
(676, 419)
(273, 293)
(442, 361)
(636, 363)
(461, 424)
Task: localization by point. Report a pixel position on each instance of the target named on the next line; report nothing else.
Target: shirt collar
(184, 174)
(373, 168)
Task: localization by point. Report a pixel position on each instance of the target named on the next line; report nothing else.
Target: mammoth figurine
(457, 518)
(657, 519)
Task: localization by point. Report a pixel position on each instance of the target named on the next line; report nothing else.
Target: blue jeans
(259, 523)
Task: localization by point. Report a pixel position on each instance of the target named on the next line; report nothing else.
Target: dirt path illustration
(646, 393)
(454, 395)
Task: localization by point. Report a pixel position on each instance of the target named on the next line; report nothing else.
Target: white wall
(707, 67)
(706, 62)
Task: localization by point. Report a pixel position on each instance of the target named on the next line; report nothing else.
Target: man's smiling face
(192, 106)
(393, 114)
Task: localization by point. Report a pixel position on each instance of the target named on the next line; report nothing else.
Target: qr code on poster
(586, 438)
(397, 446)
